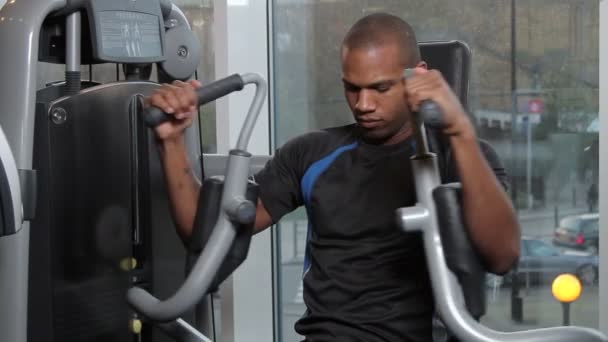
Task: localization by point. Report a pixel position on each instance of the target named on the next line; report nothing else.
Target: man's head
(374, 53)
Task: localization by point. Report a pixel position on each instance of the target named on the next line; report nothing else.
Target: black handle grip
(154, 116)
(431, 114)
(460, 253)
(208, 210)
(217, 89)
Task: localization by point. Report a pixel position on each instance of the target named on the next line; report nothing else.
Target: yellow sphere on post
(135, 325)
(566, 288)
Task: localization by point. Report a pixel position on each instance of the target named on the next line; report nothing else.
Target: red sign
(535, 106)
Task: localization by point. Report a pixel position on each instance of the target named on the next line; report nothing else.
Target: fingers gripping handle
(429, 112)
(154, 116)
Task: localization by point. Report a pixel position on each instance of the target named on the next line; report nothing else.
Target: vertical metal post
(530, 198)
(566, 314)
(603, 166)
(516, 300)
(513, 93)
(20, 24)
(72, 53)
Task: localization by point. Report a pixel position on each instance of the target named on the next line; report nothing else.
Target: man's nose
(365, 102)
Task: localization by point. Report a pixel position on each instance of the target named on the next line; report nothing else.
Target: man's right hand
(179, 100)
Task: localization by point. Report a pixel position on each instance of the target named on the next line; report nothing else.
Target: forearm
(488, 212)
(182, 185)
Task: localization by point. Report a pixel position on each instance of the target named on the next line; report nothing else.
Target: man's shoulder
(323, 139)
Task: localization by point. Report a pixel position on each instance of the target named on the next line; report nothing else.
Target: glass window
(538, 108)
(539, 249)
(200, 16)
(571, 224)
(591, 227)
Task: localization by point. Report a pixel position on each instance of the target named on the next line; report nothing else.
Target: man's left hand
(430, 85)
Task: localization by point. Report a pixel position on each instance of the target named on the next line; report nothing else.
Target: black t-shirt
(364, 278)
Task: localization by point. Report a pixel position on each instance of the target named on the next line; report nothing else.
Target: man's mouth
(368, 123)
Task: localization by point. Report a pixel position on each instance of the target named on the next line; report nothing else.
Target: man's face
(374, 90)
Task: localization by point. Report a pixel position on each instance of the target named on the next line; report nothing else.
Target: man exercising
(364, 278)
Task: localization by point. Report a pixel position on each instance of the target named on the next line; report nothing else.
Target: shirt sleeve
(279, 180)
(493, 161)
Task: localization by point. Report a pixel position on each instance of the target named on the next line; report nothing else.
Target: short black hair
(379, 29)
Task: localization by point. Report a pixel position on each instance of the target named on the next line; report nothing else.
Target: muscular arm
(488, 212)
(182, 185)
(179, 100)
(184, 190)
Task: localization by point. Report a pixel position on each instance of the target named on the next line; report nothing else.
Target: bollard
(566, 289)
(517, 303)
(556, 216)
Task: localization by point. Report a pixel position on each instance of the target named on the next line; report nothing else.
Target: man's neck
(403, 134)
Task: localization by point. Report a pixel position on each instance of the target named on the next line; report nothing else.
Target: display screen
(129, 35)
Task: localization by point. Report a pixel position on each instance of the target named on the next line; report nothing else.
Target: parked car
(578, 232)
(540, 263)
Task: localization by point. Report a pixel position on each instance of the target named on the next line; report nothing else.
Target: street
(540, 223)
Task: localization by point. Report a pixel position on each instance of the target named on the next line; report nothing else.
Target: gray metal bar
(20, 23)
(73, 34)
(603, 156)
(412, 218)
(446, 289)
(176, 17)
(203, 316)
(418, 126)
(165, 7)
(14, 255)
(181, 331)
(215, 164)
(14, 183)
(254, 109)
(445, 284)
(198, 281)
(420, 136)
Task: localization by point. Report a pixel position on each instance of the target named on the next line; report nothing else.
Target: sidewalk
(541, 310)
(549, 212)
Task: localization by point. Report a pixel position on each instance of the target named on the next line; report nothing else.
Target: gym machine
(457, 275)
(88, 213)
(80, 175)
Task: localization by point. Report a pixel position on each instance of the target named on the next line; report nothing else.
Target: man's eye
(351, 88)
(383, 88)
